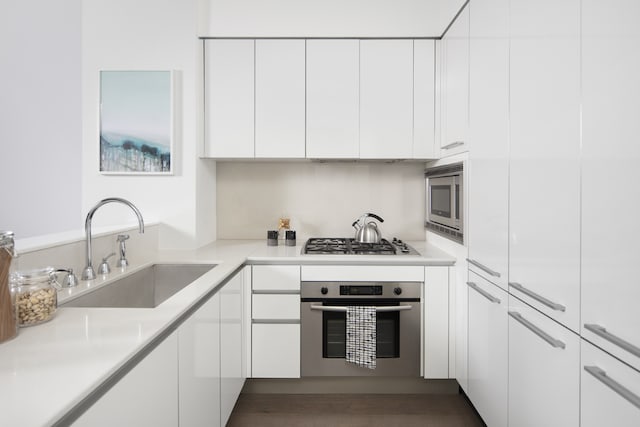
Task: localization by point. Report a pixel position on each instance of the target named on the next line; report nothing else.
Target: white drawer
(276, 351)
(276, 277)
(274, 306)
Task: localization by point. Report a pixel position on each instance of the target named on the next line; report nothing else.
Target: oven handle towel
(361, 336)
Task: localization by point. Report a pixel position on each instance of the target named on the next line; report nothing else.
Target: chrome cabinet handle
(344, 309)
(454, 144)
(624, 392)
(603, 333)
(484, 293)
(483, 268)
(539, 332)
(552, 305)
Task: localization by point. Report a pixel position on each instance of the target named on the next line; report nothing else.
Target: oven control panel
(360, 290)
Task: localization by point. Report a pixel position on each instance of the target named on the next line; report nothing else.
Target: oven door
(323, 339)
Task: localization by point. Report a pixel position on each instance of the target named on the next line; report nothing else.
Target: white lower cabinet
(544, 370)
(146, 396)
(276, 350)
(199, 369)
(232, 370)
(488, 346)
(436, 322)
(609, 390)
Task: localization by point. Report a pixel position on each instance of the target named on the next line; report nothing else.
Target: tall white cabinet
(488, 166)
(544, 194)
(611, 152)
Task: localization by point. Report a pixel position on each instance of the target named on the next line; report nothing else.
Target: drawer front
(276, 351)
(275, 307)
(610, 390)
(276, 277)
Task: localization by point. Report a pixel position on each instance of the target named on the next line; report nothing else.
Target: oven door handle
(378, 309)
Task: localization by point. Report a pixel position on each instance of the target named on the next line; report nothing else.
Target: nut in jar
(36, 296)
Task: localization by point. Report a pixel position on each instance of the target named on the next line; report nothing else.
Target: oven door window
(441, 200)
(334, 332)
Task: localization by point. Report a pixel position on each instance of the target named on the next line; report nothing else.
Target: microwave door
(441, 200)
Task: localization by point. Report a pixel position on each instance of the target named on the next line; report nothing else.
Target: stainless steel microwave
(444, 201)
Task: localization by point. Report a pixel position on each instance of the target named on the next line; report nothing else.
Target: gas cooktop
(348, 246)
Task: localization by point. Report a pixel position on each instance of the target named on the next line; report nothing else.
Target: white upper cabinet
(544, 196)
(610, 157)
(280, 99)
(229, 98)
(455, 86)
(423, 99)
(386, 99)
(333, 99)
(488, 166)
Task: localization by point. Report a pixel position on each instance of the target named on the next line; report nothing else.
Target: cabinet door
(386, 99)
(610, 155)
(132, 402)
(279, 100)
(436, 322)
(609, 390)
(228, 82)
(199, 366)
(231, 348)
(276, 350)
(333, 99)
(455, 89)
(488, 350)
(544, 370)
(488, 166)
(544, 197)
(424, 99)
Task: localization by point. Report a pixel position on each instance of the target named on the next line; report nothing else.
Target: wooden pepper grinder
(8, 324)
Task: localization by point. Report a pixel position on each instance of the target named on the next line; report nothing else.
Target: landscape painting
(136, 122)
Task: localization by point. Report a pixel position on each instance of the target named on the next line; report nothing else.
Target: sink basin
(146, 288)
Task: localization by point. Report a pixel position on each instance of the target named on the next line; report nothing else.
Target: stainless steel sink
(146, 288)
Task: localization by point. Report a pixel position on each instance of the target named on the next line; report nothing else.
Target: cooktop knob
(397, 291)
(324, 290)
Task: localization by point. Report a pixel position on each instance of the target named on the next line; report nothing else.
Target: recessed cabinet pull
(539, 332)
(344, 309)
(454, 144)
(484, 293)
(483, 268)
(552, 305)
(602, 332)
(624, 392)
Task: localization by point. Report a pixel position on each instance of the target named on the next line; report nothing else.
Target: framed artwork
(136, 122)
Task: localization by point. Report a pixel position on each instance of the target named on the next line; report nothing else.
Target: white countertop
(54, 366)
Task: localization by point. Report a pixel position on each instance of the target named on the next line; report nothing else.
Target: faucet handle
(70, 281)
(122, 237)
(104, 266)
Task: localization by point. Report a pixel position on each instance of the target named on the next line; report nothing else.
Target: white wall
(40, 116)
(149, 35)
(328, 18)
(322, 199)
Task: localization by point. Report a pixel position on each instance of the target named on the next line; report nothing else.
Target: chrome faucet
(88, 273)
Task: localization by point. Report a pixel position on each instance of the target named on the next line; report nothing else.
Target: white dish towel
(361, 336)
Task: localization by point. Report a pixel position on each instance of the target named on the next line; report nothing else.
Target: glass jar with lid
(35, 293)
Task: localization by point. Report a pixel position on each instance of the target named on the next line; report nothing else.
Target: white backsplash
(322, 199)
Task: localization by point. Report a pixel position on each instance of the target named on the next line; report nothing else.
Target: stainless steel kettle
(367, 232)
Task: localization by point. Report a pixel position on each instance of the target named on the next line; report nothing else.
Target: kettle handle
(375, 216)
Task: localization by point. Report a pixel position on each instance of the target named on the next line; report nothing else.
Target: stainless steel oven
(444, 208)
(323, 327)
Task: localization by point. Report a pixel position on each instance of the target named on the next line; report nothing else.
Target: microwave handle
(344, 309)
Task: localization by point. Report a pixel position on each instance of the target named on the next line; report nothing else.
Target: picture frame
(136, 122)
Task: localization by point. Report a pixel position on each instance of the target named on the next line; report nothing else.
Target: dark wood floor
(353, 410)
